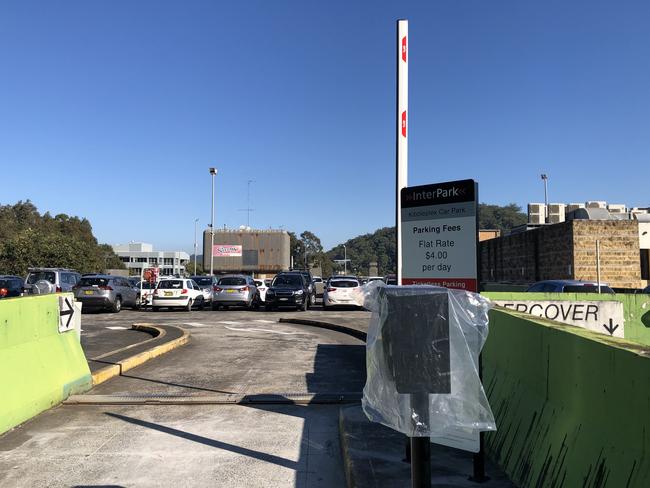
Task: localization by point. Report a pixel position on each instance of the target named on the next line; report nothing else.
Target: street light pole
(213, 172)
(196, 221)
(345, 260)
(545, 179)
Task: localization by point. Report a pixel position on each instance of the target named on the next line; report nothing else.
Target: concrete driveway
(183, 444)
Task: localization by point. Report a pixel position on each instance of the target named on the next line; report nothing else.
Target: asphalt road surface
(230, 353)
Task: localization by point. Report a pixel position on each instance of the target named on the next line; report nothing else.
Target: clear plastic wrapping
(422, 361)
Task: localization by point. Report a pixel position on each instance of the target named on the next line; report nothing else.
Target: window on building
(169, 261)
(153, 260)
(142, 260)
(125, 259)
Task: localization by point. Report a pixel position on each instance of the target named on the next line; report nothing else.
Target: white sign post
(401, 135)
(439, 235)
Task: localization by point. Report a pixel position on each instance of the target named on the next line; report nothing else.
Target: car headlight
(298, 292)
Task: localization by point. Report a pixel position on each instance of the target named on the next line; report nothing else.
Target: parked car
(343, 291)
(235, 290)
(177, 293)
(569, 286)
(310, 283)
(207, 284)
(11, 286)
(50, 280)
(319, 286)
(261, 289)
(288, 289)
(134, 280)
(376, 278)
(391, 279)
(105, 292)
(646, 290)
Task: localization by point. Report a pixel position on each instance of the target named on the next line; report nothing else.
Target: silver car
(207, 284)
(235, 290)
(105, 292)
(41, 281)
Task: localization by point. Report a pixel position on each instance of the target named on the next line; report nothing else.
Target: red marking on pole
(404, 49)
(404, 124)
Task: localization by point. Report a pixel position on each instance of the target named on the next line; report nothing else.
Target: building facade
(567, 250)
(260, 253)
(139, 255)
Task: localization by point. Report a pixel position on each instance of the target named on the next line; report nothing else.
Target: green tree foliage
(502, 218)
(29, 239)
(362, 250)
(307, 251)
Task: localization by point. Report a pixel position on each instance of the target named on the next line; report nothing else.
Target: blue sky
(115, 110)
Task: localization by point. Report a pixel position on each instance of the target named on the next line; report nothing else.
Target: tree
(29, 239)
(503, 218)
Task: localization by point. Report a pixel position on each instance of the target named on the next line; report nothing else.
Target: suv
(11, 286)
(310, 283)
(569, 286)
(288, 289)
(105, 292)
(50, 280)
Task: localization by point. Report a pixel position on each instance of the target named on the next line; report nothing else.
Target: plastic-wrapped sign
(422, 353)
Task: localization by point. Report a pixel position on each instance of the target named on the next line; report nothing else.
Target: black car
(288, 290)
(310, 283)
(11, 286)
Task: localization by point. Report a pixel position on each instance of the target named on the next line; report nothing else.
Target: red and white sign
(439, 235)
(226, 251)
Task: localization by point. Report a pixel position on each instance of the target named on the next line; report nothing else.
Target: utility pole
(345, 260)
(545, 179)
(213, 173)
(196, 221)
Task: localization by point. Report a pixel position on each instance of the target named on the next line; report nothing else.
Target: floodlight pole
(345, 260)
(545, 179)
(213, 172)
(196, 221)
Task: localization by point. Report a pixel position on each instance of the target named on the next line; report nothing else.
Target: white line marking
(117, 327)
(196, 324)
(262, 321)
(258, 330)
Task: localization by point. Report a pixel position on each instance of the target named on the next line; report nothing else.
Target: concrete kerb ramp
(39, 366)
(571, 405)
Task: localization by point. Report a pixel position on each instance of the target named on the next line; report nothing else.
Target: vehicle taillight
(184, 291)
(107, 288)
(58, 289)
(244, 288)
(216, 288)
(3, 292)
(331, 289)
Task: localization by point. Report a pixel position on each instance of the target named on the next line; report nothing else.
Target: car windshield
(8, 283)
(318, 280)
(202, 281)
(94, 282)
(344, 284)
(232, 281)
(170, 284)
(37, 276)
(290, 280)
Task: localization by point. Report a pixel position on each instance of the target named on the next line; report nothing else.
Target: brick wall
(620, 260)
(566, 251)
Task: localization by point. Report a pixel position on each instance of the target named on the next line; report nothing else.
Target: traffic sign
(439, 234)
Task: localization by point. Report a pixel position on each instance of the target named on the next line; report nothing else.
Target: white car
(178, 293)
(261, 288)
(343, 291)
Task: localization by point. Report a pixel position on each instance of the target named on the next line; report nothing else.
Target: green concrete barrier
(571, 406)
(636, 308)
(39, 367)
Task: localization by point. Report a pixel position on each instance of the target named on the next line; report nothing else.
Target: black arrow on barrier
(611, 327)
(69, 312)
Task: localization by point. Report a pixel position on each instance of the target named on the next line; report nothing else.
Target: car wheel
(117, 305)
(156, 309)
(305, 305)
(188, 307)
(312, 300)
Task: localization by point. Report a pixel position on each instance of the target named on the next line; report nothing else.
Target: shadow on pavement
(269, 458)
